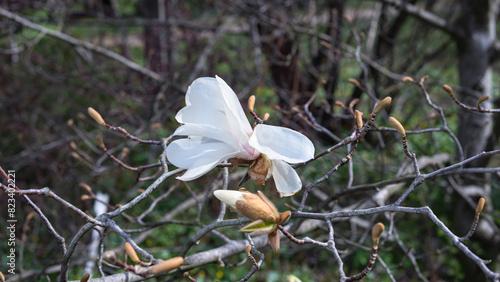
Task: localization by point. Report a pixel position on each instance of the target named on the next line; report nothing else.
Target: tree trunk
(475, 52)
(475, 49)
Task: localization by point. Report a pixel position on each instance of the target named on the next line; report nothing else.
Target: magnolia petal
(234, 107)
(204, 130)
(205, 91)
(229, 197)
(286, 179)
(280, 143)
(197, 155)
(201, 114)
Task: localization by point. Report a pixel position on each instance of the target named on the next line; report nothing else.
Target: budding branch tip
(377, 232)
(382, 104)
(407, 79)
(397, 125)
(480, 205)
(481, 100)
(251, 103)
(96, 116)
(448, 89)
(131, 252)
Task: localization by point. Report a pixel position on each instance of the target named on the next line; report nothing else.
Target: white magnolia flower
(218, 129)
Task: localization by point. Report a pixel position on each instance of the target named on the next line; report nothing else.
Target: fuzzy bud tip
(407, 79)
(481, 100)
(85, 197)
(131, 252)
(85, 277)
(96, 116)
(248, 249)
(480, 205)
(448, 89)
(382, 104)
(354, 82)
(359, 118)
(397, 125)
(266, 117)
(100, 142)
(377, 231)
(340, 104)
(251, 103)
(167, 265)
(424, 78)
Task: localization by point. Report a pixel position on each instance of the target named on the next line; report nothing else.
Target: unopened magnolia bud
(284, 217)
(73, 145)
(354, 82)
(125, 152)
(448, 89)
(131, 252)
(167, 265)
(353, 102)
(266, 117)
(382, 104)
(85, 197)
(100, 142)
(397, 125)
(377, 232)
(481, 100)
(96, 116)
(340, 104)
(248, 249)
(359, 118)
(85, 277)
(69, 122)
(2, 278)
(424, 78)
(407, 79)
(480, 205)
(251, 103)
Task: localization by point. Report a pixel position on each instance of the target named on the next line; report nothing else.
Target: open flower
(258, 208)
(218, 129)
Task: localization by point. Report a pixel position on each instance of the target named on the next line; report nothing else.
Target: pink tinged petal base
(280, 143)
(286, 178)
(198, 155)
